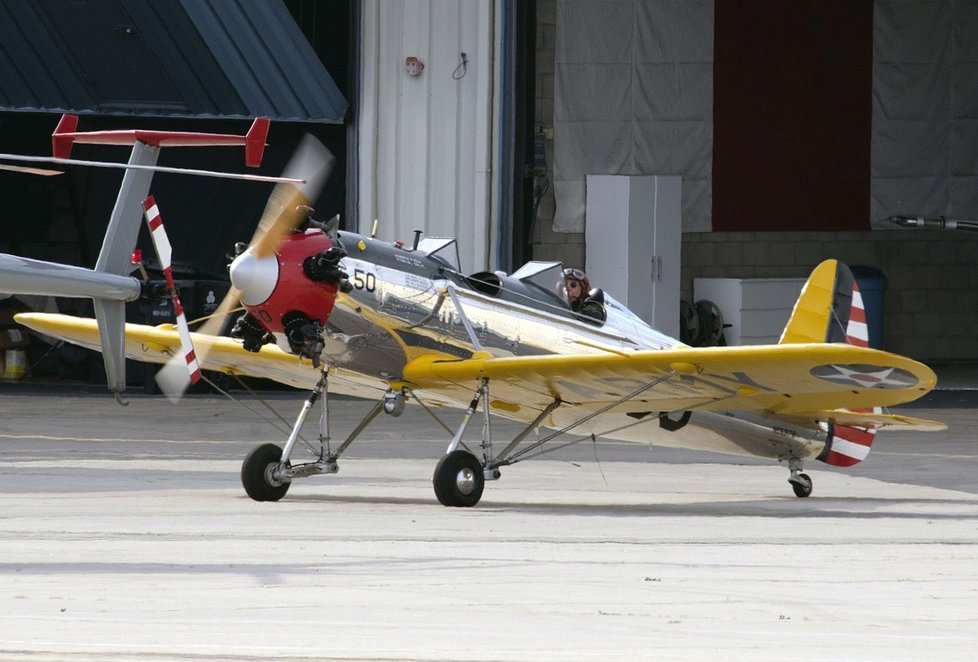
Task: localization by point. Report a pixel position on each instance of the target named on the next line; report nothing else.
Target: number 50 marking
(364, 280)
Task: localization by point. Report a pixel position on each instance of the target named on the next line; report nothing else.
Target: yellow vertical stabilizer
(811, 319)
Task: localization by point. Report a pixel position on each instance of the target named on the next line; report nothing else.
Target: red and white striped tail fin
(173, 377)
(850, 445)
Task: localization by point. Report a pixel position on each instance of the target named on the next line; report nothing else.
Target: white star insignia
(865, 376)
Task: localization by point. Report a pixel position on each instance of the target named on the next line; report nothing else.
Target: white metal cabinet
(633, 235)
(756, 309)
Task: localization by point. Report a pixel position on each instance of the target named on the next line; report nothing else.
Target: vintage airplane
(334, 311)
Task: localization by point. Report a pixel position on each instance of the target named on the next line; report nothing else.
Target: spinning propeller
(312, 163)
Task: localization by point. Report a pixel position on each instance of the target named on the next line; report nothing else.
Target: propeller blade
(279, 218)
(183, 369)
(311, 163)
(216, 320)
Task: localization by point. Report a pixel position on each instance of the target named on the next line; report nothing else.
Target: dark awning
(162, 58)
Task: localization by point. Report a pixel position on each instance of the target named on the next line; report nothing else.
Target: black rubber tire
(253, 474)
(802, 491)
(458, 480)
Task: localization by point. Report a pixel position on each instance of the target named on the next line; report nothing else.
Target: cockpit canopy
(542, 274)
(444, 249)
(534, 284)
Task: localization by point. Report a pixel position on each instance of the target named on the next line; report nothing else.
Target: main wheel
(803, 487)
(257, 474)
(458, 479)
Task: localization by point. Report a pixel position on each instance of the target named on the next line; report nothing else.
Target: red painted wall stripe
(792, 114)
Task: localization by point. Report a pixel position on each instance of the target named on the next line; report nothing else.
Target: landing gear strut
(460, 476)
(267, 471)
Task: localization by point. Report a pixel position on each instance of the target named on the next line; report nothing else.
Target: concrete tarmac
(125, 535)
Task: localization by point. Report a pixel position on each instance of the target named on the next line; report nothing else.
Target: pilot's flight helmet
(572, 278)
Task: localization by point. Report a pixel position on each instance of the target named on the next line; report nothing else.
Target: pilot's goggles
(575, 273)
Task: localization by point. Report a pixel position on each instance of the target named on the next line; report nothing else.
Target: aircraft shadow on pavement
(821, 508)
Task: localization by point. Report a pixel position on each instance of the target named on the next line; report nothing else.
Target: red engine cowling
(292, 289)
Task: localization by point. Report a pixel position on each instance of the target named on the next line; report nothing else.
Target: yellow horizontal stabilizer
(870, 419)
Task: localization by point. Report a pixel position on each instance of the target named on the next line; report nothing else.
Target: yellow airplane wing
(784, 380)
(156, 344)
(803, 382)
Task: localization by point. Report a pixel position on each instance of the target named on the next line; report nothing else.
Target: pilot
(586, 302)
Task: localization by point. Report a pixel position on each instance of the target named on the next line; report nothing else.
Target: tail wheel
(802, 485)
(258, 474)
(458, 480)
